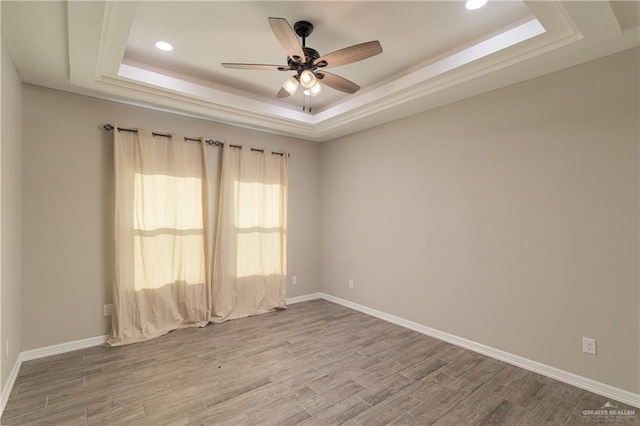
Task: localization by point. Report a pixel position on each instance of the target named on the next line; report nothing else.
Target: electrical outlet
(107, 310)
(589, 345)
(6, 348)
(294, 280)
(350, 283)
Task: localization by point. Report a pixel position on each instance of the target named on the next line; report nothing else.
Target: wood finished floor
(317, 363)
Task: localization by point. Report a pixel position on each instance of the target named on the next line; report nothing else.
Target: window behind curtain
(168, 231)
(259, 228)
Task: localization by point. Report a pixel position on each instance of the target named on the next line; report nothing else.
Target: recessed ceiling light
(475, 4)
(163, 45)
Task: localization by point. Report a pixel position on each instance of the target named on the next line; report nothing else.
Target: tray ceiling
(433, 53)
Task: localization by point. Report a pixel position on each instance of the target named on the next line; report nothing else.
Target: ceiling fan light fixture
(475, 4)
(307, 79)
(314, 90)
(291, 85)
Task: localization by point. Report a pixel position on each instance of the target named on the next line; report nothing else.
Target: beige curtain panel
(249, 262)
(163, 274)
(160, 278)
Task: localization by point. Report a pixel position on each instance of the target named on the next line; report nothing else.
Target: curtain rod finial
(108, 127)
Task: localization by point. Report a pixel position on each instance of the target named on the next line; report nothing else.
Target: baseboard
(305, 298)
(62, 348)
(546, 370)
(599, 388)
(9, 385)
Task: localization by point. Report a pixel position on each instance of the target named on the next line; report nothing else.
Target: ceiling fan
(307, 62)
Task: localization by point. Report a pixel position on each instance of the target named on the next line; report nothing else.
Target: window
(259, 223)
(168, 231)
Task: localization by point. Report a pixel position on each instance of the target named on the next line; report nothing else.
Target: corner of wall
(10, 223)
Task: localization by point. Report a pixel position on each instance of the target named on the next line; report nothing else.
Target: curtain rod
(109, 127)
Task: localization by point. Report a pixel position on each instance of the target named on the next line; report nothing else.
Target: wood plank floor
(317, 363)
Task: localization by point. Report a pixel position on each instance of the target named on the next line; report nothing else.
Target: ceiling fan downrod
(303, 29)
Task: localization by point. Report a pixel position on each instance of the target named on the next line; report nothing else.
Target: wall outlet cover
(589, 346)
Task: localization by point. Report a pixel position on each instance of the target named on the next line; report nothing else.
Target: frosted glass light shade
(291, 85)
(314, 90)
(307, 79)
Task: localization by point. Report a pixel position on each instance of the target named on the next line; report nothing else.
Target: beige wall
(67, 208)
(510, 219)
(10, 216)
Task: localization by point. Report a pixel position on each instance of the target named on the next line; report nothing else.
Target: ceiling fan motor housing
(310, 56)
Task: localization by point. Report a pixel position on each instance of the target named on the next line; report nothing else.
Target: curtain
(160, 236)
(249, 262)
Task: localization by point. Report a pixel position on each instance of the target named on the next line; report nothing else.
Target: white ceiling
(435, 52)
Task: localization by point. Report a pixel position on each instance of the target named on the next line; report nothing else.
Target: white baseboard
(305, 298)
(9, 385)
(599, 388)
(62, 348)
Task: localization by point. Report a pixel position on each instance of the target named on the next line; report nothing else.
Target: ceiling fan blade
(263, 67)
(349, 55)
(337, 82)
(287, 38)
